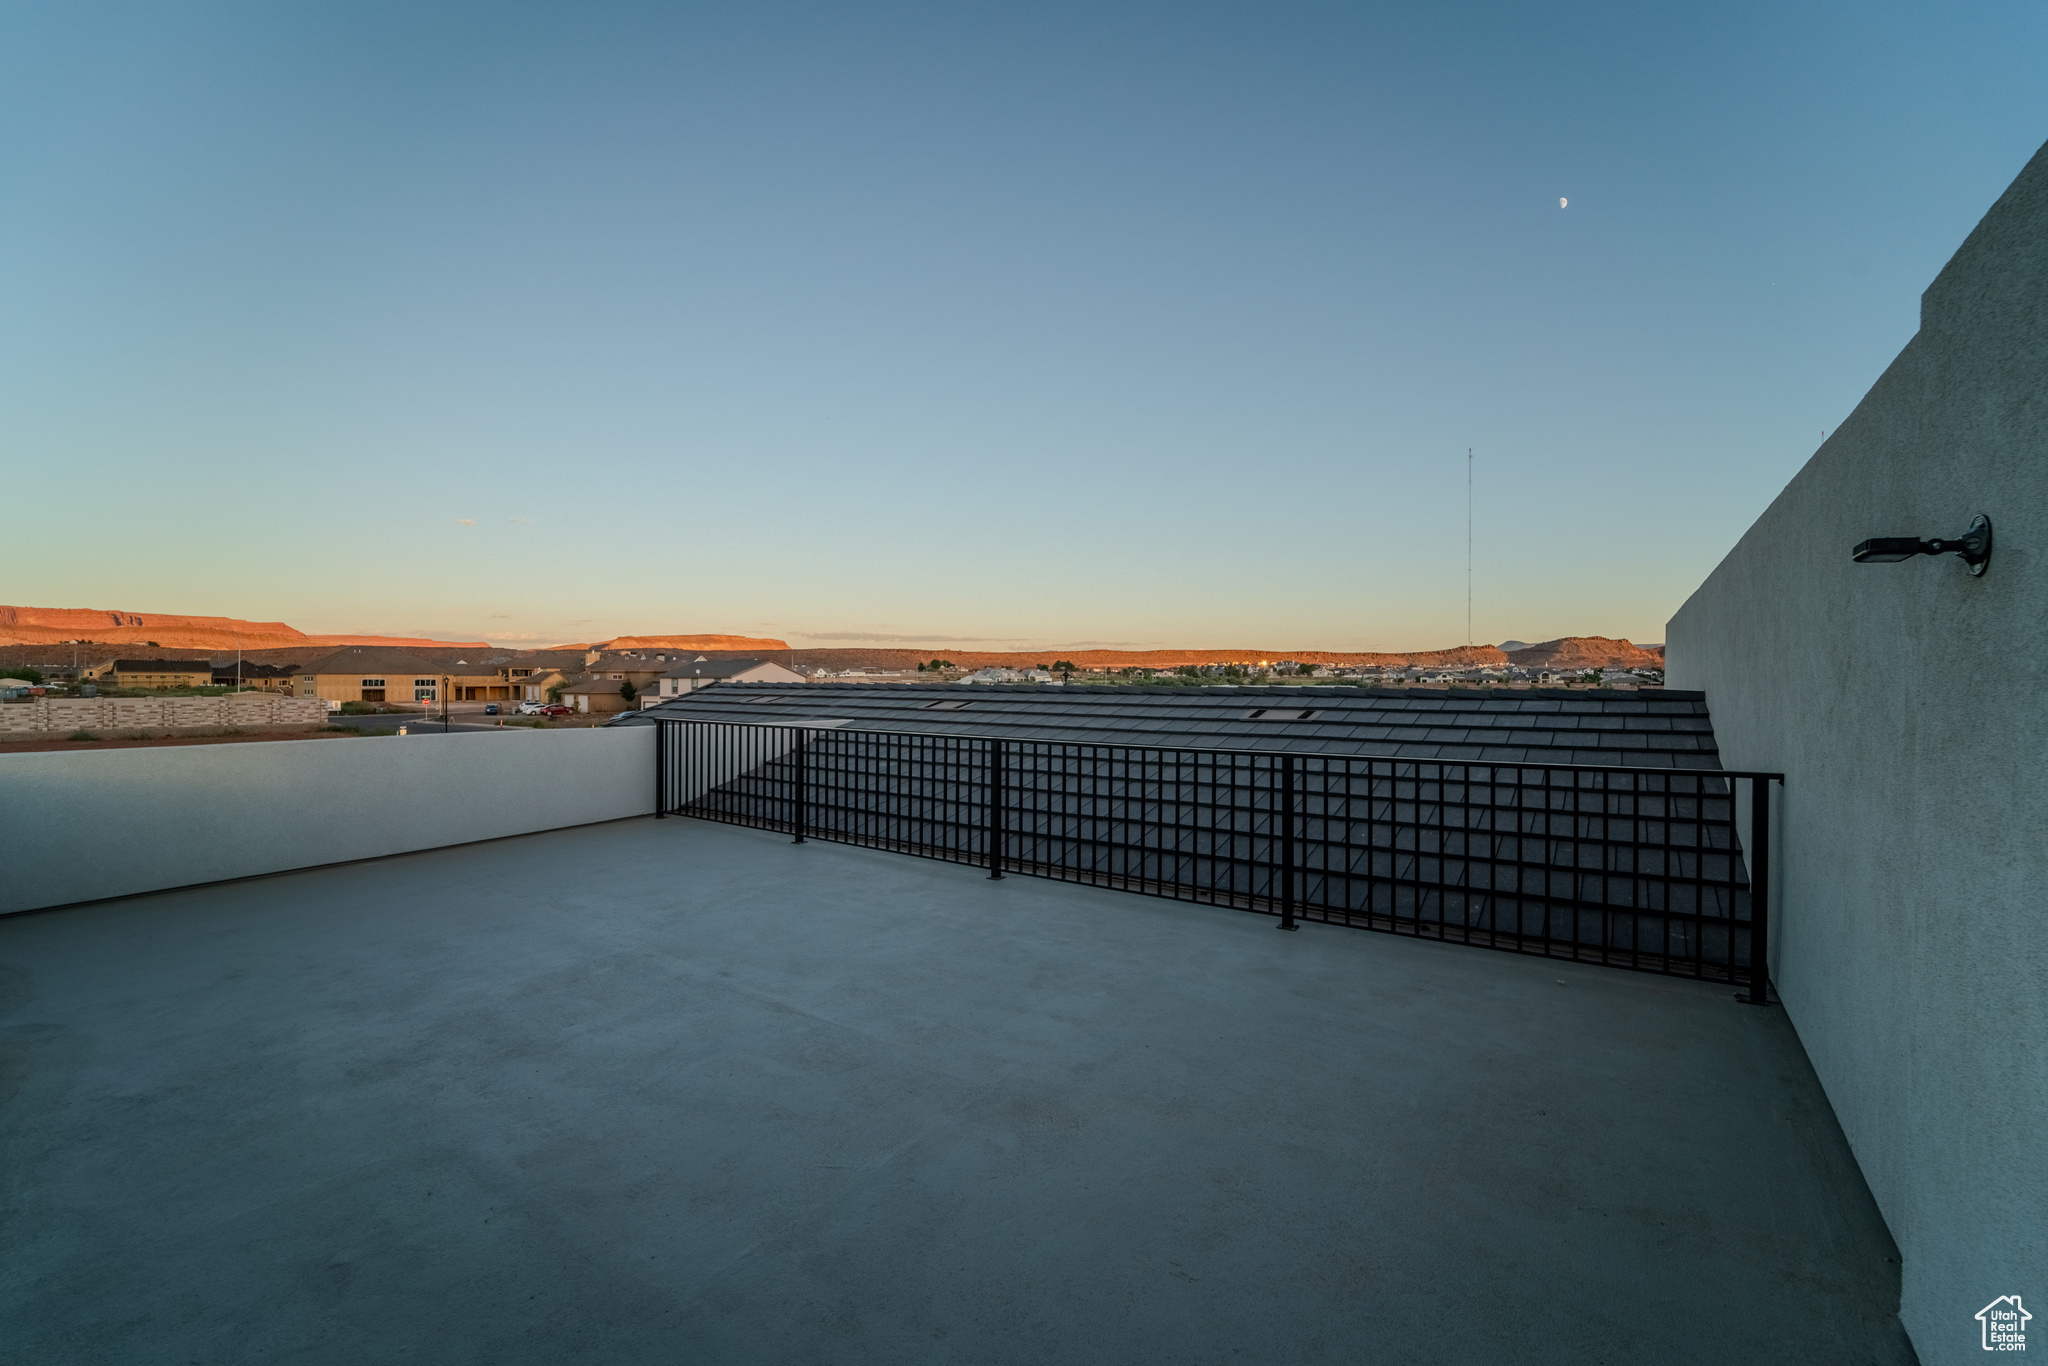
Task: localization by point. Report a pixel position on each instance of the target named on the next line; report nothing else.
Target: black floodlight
(1973, 547)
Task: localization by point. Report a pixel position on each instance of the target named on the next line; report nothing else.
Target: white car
(532, 708)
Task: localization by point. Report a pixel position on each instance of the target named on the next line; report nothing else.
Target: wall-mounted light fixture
(1973, 546)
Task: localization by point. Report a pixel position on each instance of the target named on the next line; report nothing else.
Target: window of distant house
(618, 675)
(373, 683)
(423, 682)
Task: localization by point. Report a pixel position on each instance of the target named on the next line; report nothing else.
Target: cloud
(465, 521)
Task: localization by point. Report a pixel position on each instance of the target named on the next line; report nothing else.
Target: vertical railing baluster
(995, 810)
(1285, 817)
(660, 769)
(802, 816)
(1759, 889)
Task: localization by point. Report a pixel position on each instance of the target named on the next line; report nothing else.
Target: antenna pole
(1468, 545)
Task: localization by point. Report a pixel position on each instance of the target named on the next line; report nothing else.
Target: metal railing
(1636, 868)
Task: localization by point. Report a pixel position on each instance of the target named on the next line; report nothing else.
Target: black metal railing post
(1760, 891)
(1285, 818)
(995, 809)
(801, 794)
(660, 769)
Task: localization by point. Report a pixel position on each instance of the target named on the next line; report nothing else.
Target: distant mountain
(1509, 646)
(1575, 654)
(49, 625)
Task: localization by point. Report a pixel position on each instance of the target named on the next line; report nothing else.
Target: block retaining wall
(160, 713)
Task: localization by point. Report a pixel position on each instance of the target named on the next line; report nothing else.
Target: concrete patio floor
(666, 1091)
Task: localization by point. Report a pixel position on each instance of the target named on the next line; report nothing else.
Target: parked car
(557, 709)
(490, 709)
(532, 709)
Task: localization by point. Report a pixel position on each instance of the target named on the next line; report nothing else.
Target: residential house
(534, 681)
(367, 673)
(531, 674)
(255, 677)
(702, 673)
(535, 686)
(642, 671)
(596, 696)
(159, 673)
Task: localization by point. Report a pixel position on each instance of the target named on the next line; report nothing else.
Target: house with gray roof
(702, 673)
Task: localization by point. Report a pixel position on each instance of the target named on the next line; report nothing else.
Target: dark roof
(162, 666)
(713, 668)
(1642, 729)
(385, 659)
(249, 670)
(621, 664)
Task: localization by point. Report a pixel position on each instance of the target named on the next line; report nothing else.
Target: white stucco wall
(81, 826)
(1908, 706)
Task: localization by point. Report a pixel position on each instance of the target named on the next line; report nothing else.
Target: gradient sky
(1037, 325)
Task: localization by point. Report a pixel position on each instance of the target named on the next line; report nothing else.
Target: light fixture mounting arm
(1973, 547)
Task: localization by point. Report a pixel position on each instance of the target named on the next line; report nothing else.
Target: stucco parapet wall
(166, 713)
(1903, 703)
(85, 825)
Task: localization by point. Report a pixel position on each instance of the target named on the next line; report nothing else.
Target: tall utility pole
(1468, 545)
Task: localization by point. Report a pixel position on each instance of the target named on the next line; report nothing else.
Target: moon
(1562, 202)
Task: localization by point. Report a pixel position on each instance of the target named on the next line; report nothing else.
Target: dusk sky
(1033, 326)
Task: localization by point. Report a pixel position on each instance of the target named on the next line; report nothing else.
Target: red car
(556, 709)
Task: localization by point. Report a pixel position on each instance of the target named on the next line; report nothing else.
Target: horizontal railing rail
(1631, 867)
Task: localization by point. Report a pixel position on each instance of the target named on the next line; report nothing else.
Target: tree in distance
(626, 690)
